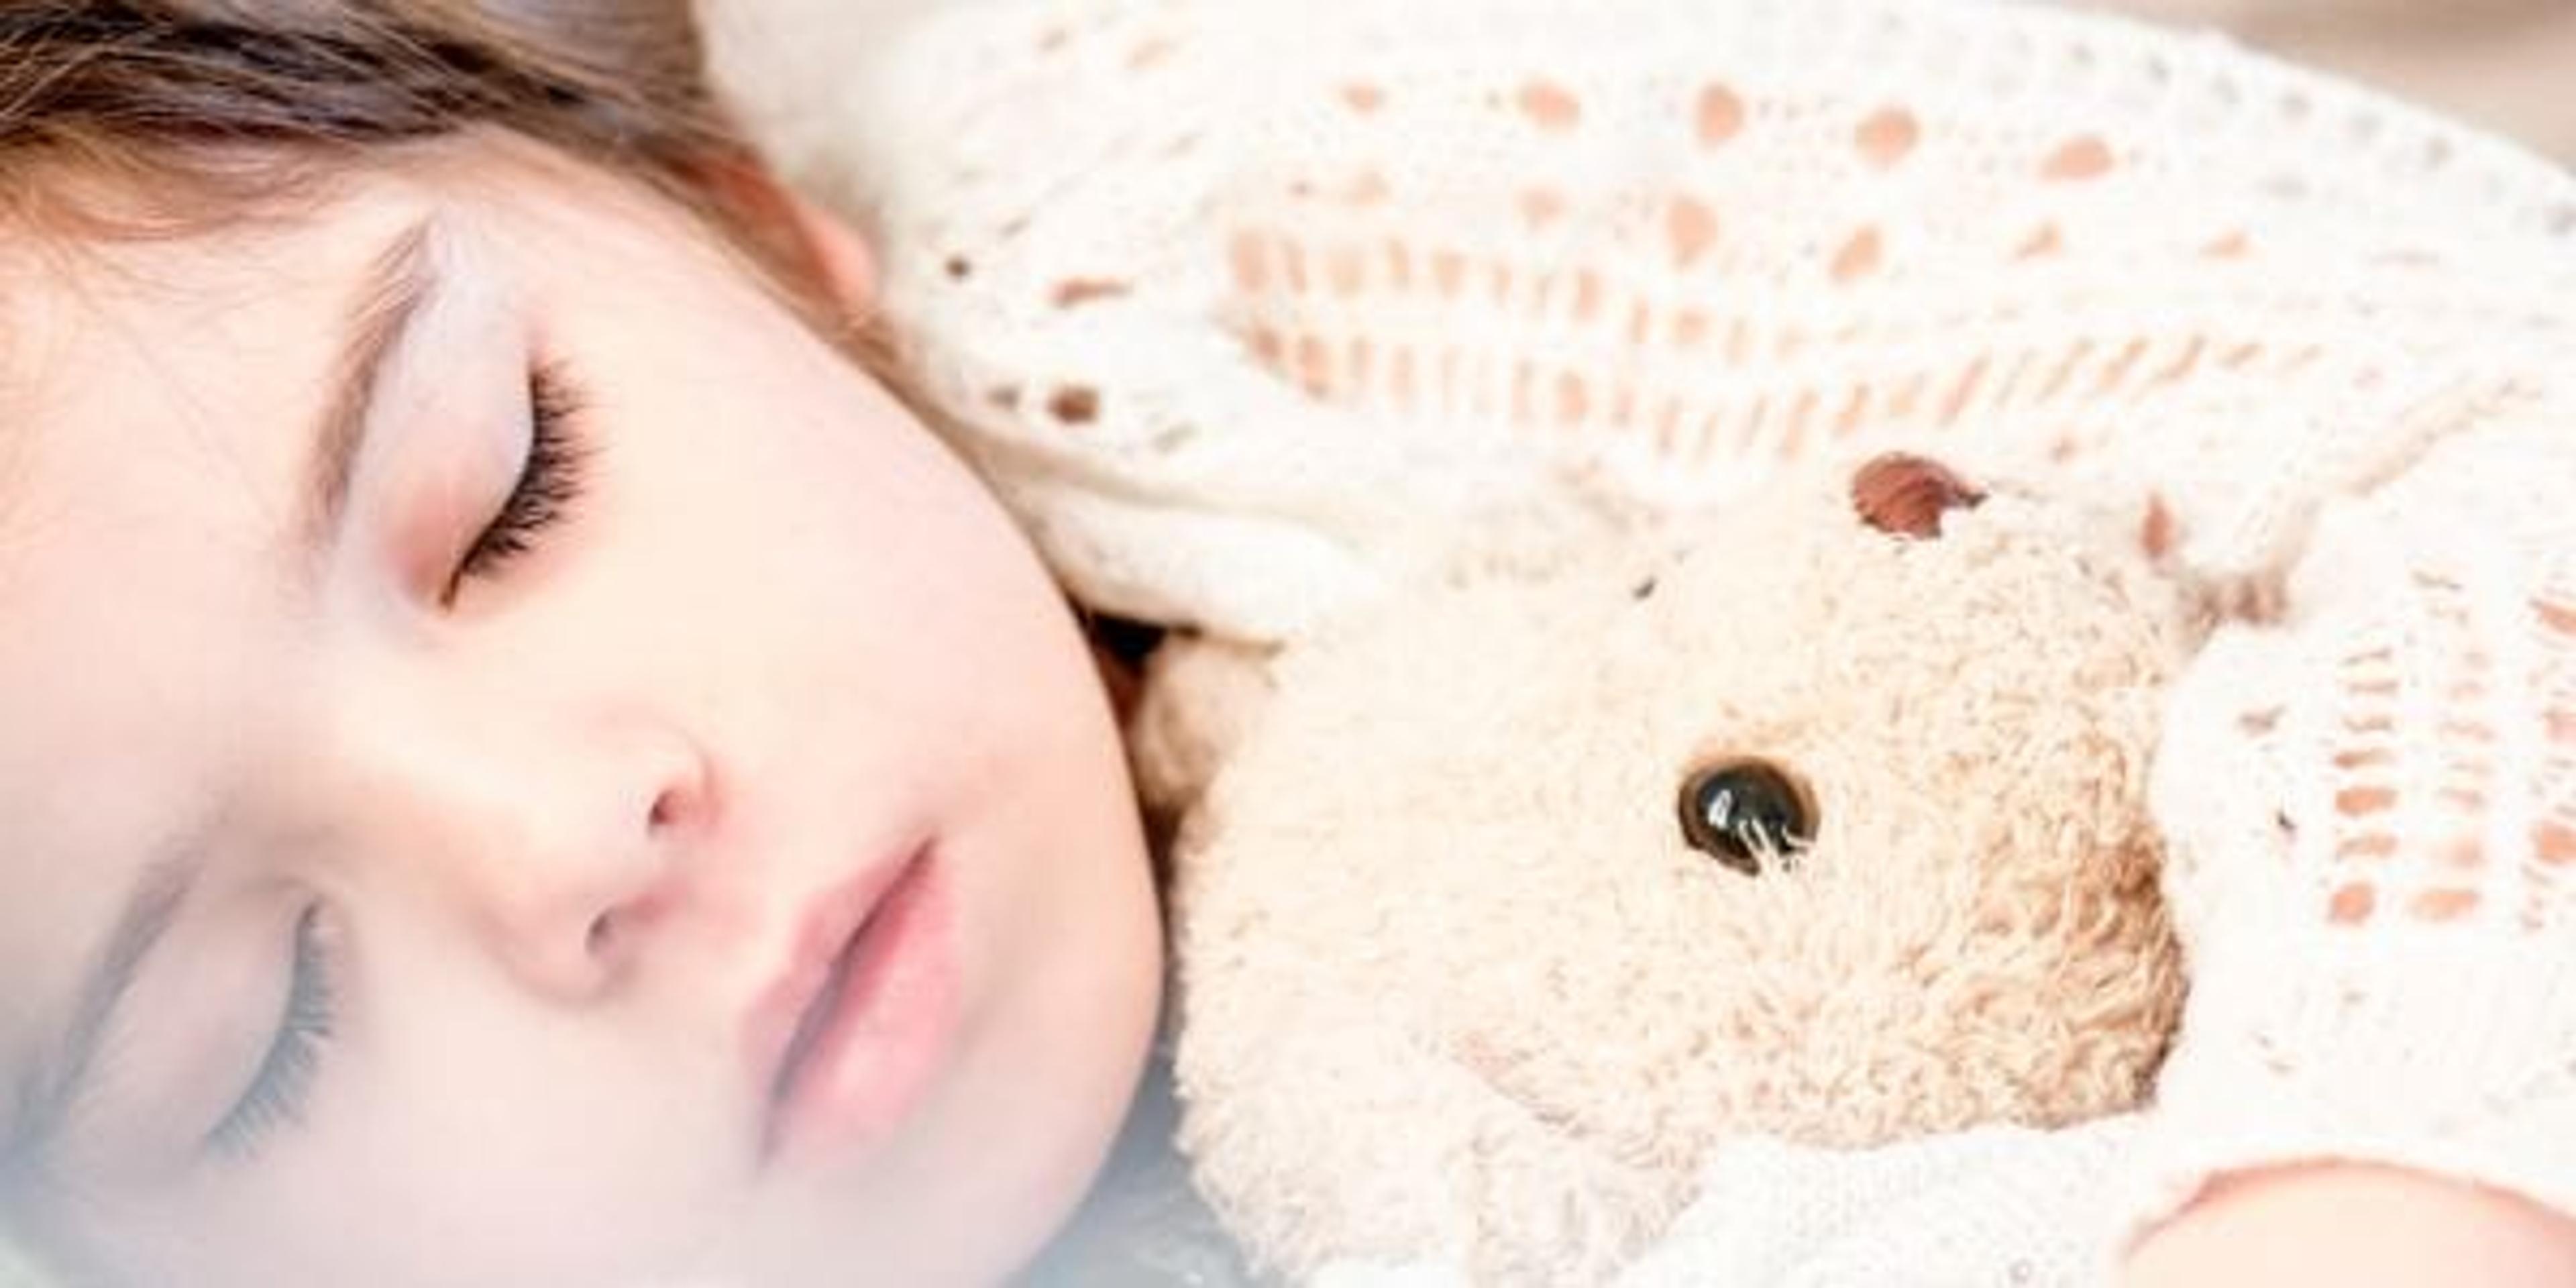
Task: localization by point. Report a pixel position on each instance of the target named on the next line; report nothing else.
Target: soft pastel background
(2509, 65)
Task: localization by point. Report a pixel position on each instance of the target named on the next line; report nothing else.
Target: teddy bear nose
(1744, 813)
(1906, 495)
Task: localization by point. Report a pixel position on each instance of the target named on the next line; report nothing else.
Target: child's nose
(570, 886)
(562, 844)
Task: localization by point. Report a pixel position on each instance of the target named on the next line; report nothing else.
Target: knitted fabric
(1245, 305)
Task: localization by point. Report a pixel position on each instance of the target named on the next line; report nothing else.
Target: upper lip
(826, 930)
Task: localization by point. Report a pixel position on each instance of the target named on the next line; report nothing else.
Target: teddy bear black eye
(1742, 812)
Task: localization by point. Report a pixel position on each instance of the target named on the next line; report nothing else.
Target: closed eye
(549, 483)
(282, 1087)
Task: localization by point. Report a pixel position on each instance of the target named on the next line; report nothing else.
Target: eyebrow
(397, 289)
(46, 1097)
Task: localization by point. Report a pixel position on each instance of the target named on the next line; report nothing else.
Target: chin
(985, 1208)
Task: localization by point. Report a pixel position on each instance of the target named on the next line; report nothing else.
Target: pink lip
(846, 1041)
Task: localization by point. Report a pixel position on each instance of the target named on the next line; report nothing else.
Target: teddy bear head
(1822, 818)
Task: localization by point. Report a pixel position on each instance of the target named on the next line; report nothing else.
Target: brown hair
(196, 111)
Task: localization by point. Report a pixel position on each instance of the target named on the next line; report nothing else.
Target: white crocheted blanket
(1208, 287)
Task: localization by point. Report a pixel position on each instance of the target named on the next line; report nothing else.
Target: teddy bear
(1501, 907)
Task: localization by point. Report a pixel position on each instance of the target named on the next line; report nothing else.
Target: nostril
(669, 809)
(603, 936)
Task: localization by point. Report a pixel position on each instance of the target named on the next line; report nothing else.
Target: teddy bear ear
(1906, 495)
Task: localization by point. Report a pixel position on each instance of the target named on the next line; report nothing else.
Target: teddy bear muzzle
(1748, 814)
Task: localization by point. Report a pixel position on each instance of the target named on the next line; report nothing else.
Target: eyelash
(547, 487)
(277, 1094)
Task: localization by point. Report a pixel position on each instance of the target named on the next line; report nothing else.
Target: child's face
(393, 898)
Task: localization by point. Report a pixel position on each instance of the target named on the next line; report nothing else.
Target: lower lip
(887, 1036)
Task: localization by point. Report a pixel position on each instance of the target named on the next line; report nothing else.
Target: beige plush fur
(1453, 985)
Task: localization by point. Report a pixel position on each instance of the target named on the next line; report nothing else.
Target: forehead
(157, 397)
(108, 348)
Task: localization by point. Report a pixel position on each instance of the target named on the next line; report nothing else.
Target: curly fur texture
(1454, 986)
